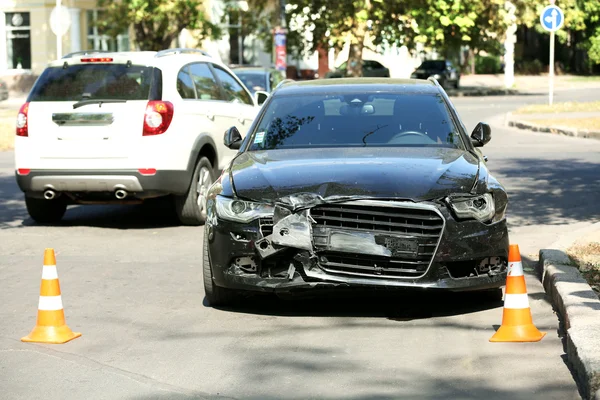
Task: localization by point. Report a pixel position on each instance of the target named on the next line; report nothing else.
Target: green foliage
(156, 23)
(487, 64)
(445, 25)
(529, 67)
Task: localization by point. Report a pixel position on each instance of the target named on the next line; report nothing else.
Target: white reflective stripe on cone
(516, 301)
(50, 303)
(49, 272)
(515, 268)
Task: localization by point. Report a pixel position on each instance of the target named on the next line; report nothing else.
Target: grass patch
(560, 108)
(584, 79)
(587, 257)
(592, 124)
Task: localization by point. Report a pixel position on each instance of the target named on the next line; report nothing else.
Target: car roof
(150, 58)
(350, 85)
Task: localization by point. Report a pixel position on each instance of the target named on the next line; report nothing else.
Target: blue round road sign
(552, 18)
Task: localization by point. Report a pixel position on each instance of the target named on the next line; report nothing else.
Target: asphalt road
(131, 283)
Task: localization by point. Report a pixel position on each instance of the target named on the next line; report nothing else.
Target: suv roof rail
(181, 50)
(84, 53)
(435, 81)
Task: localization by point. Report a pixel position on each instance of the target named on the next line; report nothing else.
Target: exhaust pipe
(120, 194)
(49, 194)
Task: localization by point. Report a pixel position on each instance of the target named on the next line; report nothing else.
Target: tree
(156, 23)
(316, 23)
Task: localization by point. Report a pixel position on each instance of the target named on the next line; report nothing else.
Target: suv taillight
(22, 128)
(158, 117)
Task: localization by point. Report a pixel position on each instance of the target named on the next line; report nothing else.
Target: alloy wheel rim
(202, 189)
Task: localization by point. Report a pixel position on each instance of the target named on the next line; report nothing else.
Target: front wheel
(45, 211)
(191, 207)
(215, 295)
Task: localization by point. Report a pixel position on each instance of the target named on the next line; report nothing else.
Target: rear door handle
(242, 120)
(210, 116)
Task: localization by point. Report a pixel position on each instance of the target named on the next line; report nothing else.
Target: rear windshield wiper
(96, 101)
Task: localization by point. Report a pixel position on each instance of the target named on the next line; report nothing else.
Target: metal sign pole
(551, 69)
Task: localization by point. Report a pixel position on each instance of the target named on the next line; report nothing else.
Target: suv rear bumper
(165, 182)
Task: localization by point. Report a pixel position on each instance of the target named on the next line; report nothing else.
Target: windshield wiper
(96, 101)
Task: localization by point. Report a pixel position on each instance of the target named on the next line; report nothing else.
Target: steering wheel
(407, 133)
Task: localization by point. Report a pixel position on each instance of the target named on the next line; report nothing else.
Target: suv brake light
(158, 117)
(103, 59)
(22, 128)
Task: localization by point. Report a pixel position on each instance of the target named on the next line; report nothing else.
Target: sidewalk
(571, 119)
(528, 83)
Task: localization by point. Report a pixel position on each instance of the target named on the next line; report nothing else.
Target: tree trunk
(357, 43)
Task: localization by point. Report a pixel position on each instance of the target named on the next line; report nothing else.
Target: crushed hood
(400, 173)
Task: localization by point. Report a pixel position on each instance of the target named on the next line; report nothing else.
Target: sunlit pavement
(131, 283)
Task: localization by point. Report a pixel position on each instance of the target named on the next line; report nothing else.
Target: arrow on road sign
(552, 18)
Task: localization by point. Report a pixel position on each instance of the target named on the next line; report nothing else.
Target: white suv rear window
(94, 81)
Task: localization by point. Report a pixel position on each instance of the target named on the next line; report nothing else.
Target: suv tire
(215, 295)
(191, 207)
(45, 211)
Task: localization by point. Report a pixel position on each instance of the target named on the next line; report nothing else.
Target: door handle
(210, 115)
(241, 120)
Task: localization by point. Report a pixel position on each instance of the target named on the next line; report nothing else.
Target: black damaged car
(355, 183)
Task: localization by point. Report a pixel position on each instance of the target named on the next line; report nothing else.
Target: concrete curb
(581, 133)
(481, 92)
(579, 308)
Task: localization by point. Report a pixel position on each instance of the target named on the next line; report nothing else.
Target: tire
(45, 211)
(215, 295)
(190, 208)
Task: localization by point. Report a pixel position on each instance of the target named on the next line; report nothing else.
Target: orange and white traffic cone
(51, 326)
(517, 324)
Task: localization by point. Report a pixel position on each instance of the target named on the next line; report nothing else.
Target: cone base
(520, 333)
(51, 334)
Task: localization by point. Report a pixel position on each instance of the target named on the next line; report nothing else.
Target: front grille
(419, 227)
(355, 264)
(413, 222)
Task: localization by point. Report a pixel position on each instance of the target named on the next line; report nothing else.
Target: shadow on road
(550, 192)
(398, 306)
(157, 213)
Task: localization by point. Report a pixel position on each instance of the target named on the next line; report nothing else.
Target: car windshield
(356, 120)
(253, 80)
(433, 65)
(93, 81)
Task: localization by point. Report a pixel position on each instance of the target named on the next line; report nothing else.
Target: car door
(239, 104)
(203, 103)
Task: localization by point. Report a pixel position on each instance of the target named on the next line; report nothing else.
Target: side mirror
(481, 135)
(261, 97)
(233, 138)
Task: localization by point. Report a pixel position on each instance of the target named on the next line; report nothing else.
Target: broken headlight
(241, 211)
(481, 208)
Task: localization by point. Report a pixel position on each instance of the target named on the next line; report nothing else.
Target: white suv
(123, 127)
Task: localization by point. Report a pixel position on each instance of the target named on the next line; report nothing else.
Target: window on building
(18, 40)
(98, 40)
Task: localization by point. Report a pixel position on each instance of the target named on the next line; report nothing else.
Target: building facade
(27, 42)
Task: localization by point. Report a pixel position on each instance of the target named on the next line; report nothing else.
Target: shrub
(487, 65)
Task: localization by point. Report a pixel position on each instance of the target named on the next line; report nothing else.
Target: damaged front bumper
(360, 243)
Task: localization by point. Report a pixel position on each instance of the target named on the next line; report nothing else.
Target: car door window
(234, 92)
(205, 84)
(185, 85)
